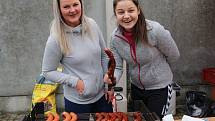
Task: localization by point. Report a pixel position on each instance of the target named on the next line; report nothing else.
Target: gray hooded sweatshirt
(152, 69)
(86, 61)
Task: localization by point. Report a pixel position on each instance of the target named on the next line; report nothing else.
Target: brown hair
(140, 30)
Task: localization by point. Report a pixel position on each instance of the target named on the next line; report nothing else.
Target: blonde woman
(76, 42)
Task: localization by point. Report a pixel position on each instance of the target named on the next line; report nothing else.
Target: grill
(37, 114)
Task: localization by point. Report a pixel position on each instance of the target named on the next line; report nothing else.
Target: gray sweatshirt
(152, 70)
(86, 61)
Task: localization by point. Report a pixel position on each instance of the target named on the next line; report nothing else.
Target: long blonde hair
(57, 27)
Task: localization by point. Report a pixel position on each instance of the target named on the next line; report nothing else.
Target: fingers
(106, 96)
(105, 48)
(80, 87)
(107, 79)
(109, 95)
(80, 92)
(109, 99)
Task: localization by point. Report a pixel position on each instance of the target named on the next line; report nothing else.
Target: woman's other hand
(109, 95)
(80, 86)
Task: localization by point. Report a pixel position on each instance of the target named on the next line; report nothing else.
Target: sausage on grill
(66, 116)
(74, 116)
(50, 117)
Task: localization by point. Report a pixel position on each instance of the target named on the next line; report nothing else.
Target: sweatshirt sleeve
(166, 44)
(104, 58)
(51, 60)
(119, 61)
(102, 43)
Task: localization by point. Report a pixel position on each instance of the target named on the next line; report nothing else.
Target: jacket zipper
(133, 55)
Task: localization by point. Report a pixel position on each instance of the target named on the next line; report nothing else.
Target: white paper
(168, 117)
(188, 118)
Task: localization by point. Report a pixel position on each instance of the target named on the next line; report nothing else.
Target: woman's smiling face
(126, 14)
(71, 11)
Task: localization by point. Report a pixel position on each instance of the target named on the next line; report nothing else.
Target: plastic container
(208, 75)
(121, 102)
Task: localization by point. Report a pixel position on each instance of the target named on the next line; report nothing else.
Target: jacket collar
(70, 29)
(148, 25)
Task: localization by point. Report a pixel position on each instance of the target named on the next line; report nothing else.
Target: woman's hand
(109, 95)
(107, 79)
(80, 86)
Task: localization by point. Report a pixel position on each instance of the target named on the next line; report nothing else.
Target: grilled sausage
(74, 116)
(66, 116)
(56, 117)
(111, 68)
(50, 117)
(106, 116)
(124, 117)
(99, 117)
(112, 116)
(137, 116)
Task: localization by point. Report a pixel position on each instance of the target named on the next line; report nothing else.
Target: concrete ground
(12, 116)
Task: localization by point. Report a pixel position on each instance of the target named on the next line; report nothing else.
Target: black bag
(37, 113)
(197, 104)
(211, 112)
